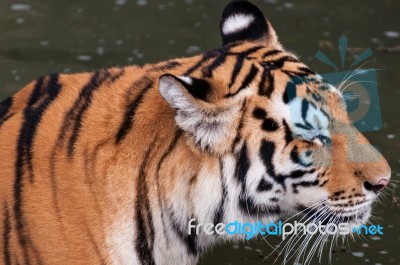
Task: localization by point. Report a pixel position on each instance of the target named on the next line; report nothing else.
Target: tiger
(110, 166)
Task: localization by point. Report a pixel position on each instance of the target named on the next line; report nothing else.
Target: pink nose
(383, 182)
(377, 186)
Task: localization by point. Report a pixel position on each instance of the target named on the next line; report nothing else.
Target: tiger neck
(206, 191)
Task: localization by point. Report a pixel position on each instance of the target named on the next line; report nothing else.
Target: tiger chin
(109, 167)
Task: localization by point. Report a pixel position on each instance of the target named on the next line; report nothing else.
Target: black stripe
(269, 125)
(290, 92)
(272, 52)
(240, 126)
(169, 150)
(236, 70)
(4, 109)
(6, 236)
(302, 126)
(6, 118)
(262, 89)
(37, 104)
(299, 173)
(208, 71)
(170, 65)
(245, 53)
(278, 63)
(303, 72)
(119, 73)
(288, 133)
(247, 81)
(294, 155)
(144, 220)
(267, 151)
(25, 140)
(219, 213)
(249, 78)
(304, 184)
(306, 70)
(242, 164)
(259, 113)
(266, 90)
(145, 84)
(72, 122)
(74, 117)
(250, 51)
(264, 185)
(293, 74)
(190, 241)
(203, 59)
(241, 169)
(94, 244)
(304, 109)
(90, 163)
(39, 101)
(281, 61)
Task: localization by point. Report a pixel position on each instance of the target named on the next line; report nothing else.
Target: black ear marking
(198, 88)
(241, 20)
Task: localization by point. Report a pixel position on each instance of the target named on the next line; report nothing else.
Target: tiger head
(281, 132)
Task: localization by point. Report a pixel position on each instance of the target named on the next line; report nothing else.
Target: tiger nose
(376, 187)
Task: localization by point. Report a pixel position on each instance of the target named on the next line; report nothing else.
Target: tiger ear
(210, 127)
(243, 21)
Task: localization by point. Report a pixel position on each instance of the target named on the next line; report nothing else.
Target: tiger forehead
(256, 52)
(261, 55)
(232, 68)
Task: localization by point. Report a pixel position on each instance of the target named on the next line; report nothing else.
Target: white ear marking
(186, 79)
(236, 22)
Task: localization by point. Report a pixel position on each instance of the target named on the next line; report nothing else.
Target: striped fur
(109, 167)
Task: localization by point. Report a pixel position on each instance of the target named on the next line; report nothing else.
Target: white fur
(120, 241)
(236, 23)
(314, 116)
(186, 79)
